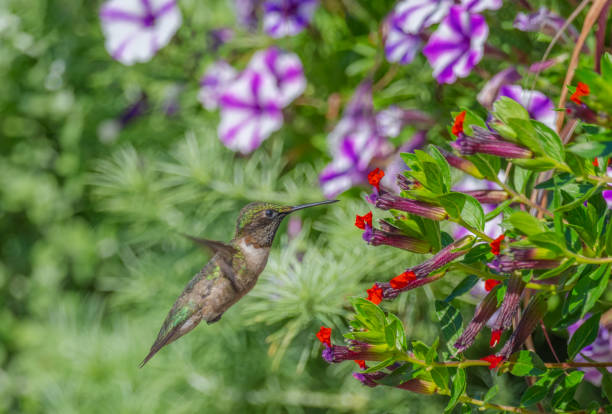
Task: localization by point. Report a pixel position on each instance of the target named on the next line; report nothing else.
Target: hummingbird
(230, 274)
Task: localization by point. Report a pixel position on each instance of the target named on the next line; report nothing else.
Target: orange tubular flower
(458, 124)
(324, 335)
(581, 90)
(362, 221)
(490, 284)
(401, 281)
(493, 360)
(496, 244)
(361, 363)
(375, 294)
(375, 176)
(495, 337)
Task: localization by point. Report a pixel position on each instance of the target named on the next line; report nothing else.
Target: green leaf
(381, 365)
(457, 390)
(491, 393)
(369, 314)
(608, 238)
(526, 134)
(548, 240)
(564, 393)
(451, 321)
(584, 336)
(535, 164)
(440, 376)
(557, 270)
(463, 206)
(398, 375)
(444, 168)
(470, 119)
(540, 388)
(487, 165)
(394, 333)
(606, 382)
(526, 363)
(464, 286)
(550, 143)
(526, 223)
(606, 67)
(591, 149)
(478, 252)
(505, 109)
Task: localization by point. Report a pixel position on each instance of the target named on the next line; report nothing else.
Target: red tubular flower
(375, 294)
(495, 337)
(375, 176)
(496, 244)
(324, 335)
(361, 363)
(483, 313)
(458, 124)
(493, 360)
(581, 90)
(490, 284)
(401, 281)
(595, 163)
(362, 221)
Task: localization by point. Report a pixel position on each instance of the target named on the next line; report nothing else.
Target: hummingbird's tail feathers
(160, 342)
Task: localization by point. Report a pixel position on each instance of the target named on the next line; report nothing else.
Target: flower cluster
(252, 101)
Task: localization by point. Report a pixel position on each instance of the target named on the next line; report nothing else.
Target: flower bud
(487, 142)
(377, 237)
(483, 313)
(531, 317)
(420, 208)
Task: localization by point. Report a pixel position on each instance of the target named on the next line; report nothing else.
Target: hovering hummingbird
(229, 275)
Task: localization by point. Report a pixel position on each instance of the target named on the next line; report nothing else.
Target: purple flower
(420, 208)
(394, 237)
(487, 142)
(484, 311)
(247, 12)
(400, 46)
(489, 93)
(218, 37)
(217, 78)
(457, 45)
(412, 16)
(286, 70)
(477, 6)
(136, 29)
(607, 194)
(531, 317)
(599, 351)
(543, 21)
(539, 106)
(354, 142)
(250, 111)
(287, 17)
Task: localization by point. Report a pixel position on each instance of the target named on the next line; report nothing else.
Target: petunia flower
(354, 142)
(581, 90)
(247, 13)
(250, 111)
(393, 119)
(375, 294)
(287, 17)
(400, 46)
(324, 335)
(413, 16)
(217, 78)
(457, 45)
(544, 21)
(136, 29)
(600, 350)
(538, 105)
(496, 245)
(286, 70)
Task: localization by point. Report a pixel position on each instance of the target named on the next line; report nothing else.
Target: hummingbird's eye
(270, 213)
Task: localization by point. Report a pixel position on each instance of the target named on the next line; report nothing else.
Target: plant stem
(471, 229)
(590, 260)
(487, 405)
(522, 199)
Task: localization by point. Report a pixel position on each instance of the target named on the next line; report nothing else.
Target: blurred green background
(91, 203)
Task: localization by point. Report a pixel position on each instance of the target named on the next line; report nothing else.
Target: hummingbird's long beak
(301, 206)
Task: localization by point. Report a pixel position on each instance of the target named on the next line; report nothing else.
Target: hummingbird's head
(258, 221)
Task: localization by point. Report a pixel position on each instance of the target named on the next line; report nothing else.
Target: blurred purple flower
(400, 46)
(136, 29)
(354, 142)
(488, 94)
(413, 16)
(218, 37)
(477, 6)
(250, 111)
(543, 21)
(284, 68)
(457, 45)
(218, 76)
(598, 351)
(539, 106)
(247, 13)
(287, 17)
(607, 194)
(397, 164)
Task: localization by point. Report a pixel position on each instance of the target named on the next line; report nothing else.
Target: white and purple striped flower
(489, 93)
(287, 17)
(457, 45)
(247, 13)
(393, 119)
(413, 16)
(400, 46)
(354, 142)
(136, 29)
(284, 68)
(539, 106)
(250, 111)
(218, 76)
